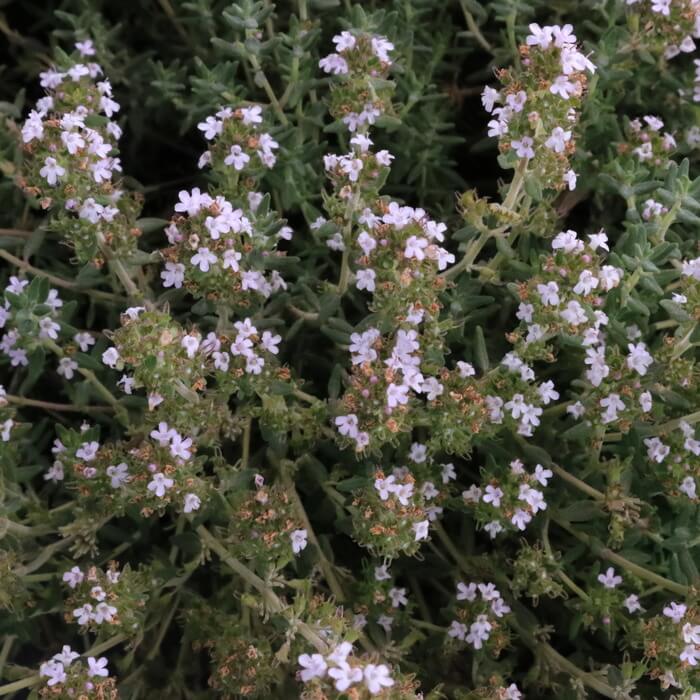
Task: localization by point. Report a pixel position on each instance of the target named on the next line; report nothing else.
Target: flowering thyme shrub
(283, 417)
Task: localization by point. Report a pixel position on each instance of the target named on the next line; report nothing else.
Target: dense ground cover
(349, 351)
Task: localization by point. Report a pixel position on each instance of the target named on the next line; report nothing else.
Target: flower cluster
(534, 573)
(173, 364)
(360, 93)
(508, 499)
(113, 477)
(666, 27)
(539, 103)
(481, 619)
(265, 526)
(241, 668)
(399, 258)
(567, 297)
(648, 144)
(387, 378)
(238, 143)
(342, 670)
(221, 252)
(67, 676)
(30, 315)
(223, 247)
(111, 598)
(378, 600)
(70, 144)
(671, 642)
(679, 454)
(391, 515)
(9, 427)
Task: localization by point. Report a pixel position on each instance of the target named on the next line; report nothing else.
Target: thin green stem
(577, 483)
(344, 279)
(272, 601)
(474, 28)
(15, 528)
(476, 246)
(261, 79)
(59, 281)
(60, 407)
(560, 572)
(640, 571)
(88, 374)
(326, 566)
(245, 455)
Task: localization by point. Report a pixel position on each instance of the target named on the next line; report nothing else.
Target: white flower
(539, 36)
(67, 367)
(180, 447)
(415, 247)
(347, 425)
(118, 474)
(632, 603)
(54, 671)
(558, 140)
(466, 592)
(691, 654)
(83, 614)
(675, 611)
(203, 259)
(192, 503)
(66, 656)
(691, 633)
(398, 597)
(191, 203)
(191, 344)
(587, 282)
(612, 405)
(688, 487)
(523, 147)
(160, 484)
(365, 280)
(52, 171)
(421, 530)
(396, 395)
(489, 97)
(88, 451)
(173, 275)
(570, 178)
(377, 677)
(97, 667)
(340, 653)
(479, 632)
(520, 518)
(457, 630)
(542, 475)
(656, 450)
(493, 528)
(251, 115)
(549, 293)
(74, 577)
(110, 357)
(299, 540)
(344, 676)
(163, 434)
(333, 63)
(493, 495)
(237, 157)
(609, 579)
(313, 665)
(639, 358)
